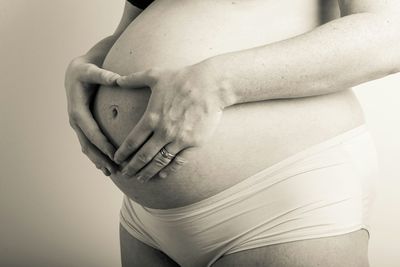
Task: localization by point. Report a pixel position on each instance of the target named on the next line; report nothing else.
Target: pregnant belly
(250, 136)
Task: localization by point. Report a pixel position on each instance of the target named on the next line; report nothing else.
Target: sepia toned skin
(269, 85)
(235, 134)
(248, 137)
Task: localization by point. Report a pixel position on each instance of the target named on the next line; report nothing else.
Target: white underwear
(322, 191)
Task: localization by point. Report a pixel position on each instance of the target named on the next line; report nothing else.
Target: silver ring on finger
(165, 154)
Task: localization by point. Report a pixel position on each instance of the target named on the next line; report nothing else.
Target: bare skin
(188, 179)
(349, 250)
(84, 74)
(216, 132)
(263, 70)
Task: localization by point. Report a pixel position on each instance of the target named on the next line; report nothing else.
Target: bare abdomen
(250, 137)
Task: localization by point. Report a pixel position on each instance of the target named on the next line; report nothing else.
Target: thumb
(96, 75)
(135, 80)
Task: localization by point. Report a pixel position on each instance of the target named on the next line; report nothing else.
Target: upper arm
(129, 14)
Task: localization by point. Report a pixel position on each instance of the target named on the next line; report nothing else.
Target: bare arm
(362, 45)
(99, 51)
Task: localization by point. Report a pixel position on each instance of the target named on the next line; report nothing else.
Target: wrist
(222, 81)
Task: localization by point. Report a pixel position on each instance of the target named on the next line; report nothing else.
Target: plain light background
(56, 209)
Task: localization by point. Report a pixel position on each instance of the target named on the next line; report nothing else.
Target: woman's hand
(81, 80)
(184, 110)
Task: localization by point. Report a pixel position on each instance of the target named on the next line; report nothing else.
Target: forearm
(340, 54)
(98, 52)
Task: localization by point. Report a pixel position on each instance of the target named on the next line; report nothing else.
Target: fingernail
(163, 175)
(106, 172)
(110, 169)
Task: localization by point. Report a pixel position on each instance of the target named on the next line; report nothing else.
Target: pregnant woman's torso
(251, 136)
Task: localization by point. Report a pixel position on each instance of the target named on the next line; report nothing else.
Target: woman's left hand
(184, 110)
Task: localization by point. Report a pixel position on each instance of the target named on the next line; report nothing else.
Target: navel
(114, 111)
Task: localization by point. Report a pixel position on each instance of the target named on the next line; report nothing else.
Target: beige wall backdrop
(56, 209)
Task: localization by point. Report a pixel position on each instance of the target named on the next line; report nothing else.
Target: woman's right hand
(81, 80)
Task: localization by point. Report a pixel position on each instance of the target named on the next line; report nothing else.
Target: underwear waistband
(314, 149)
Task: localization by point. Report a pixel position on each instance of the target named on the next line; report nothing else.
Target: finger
(136, 80)
(144, 156)
(95, 155)
(159, 162)
(93, 74)
(133, 141)
(92, 131)
(180, 160)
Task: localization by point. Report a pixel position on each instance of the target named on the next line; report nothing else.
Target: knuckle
(89, 69)
(73, 115)
(104, 76)
(172, 169)
(130, 169)
(187, 140)
(192, 140)
(164, 173)
(143, 158)
(91, 135)
(152, 119)
(160, 161)
(179, 161)
(196, 141)
(167, 133)
(186, 88)
(130, 144)
(145, 175)
(153, 73)
(182, 140)
(78, 118)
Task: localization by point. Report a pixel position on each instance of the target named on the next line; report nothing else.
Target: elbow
(393, 54)
(391, 28)
(389, 57)
(382, 31)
